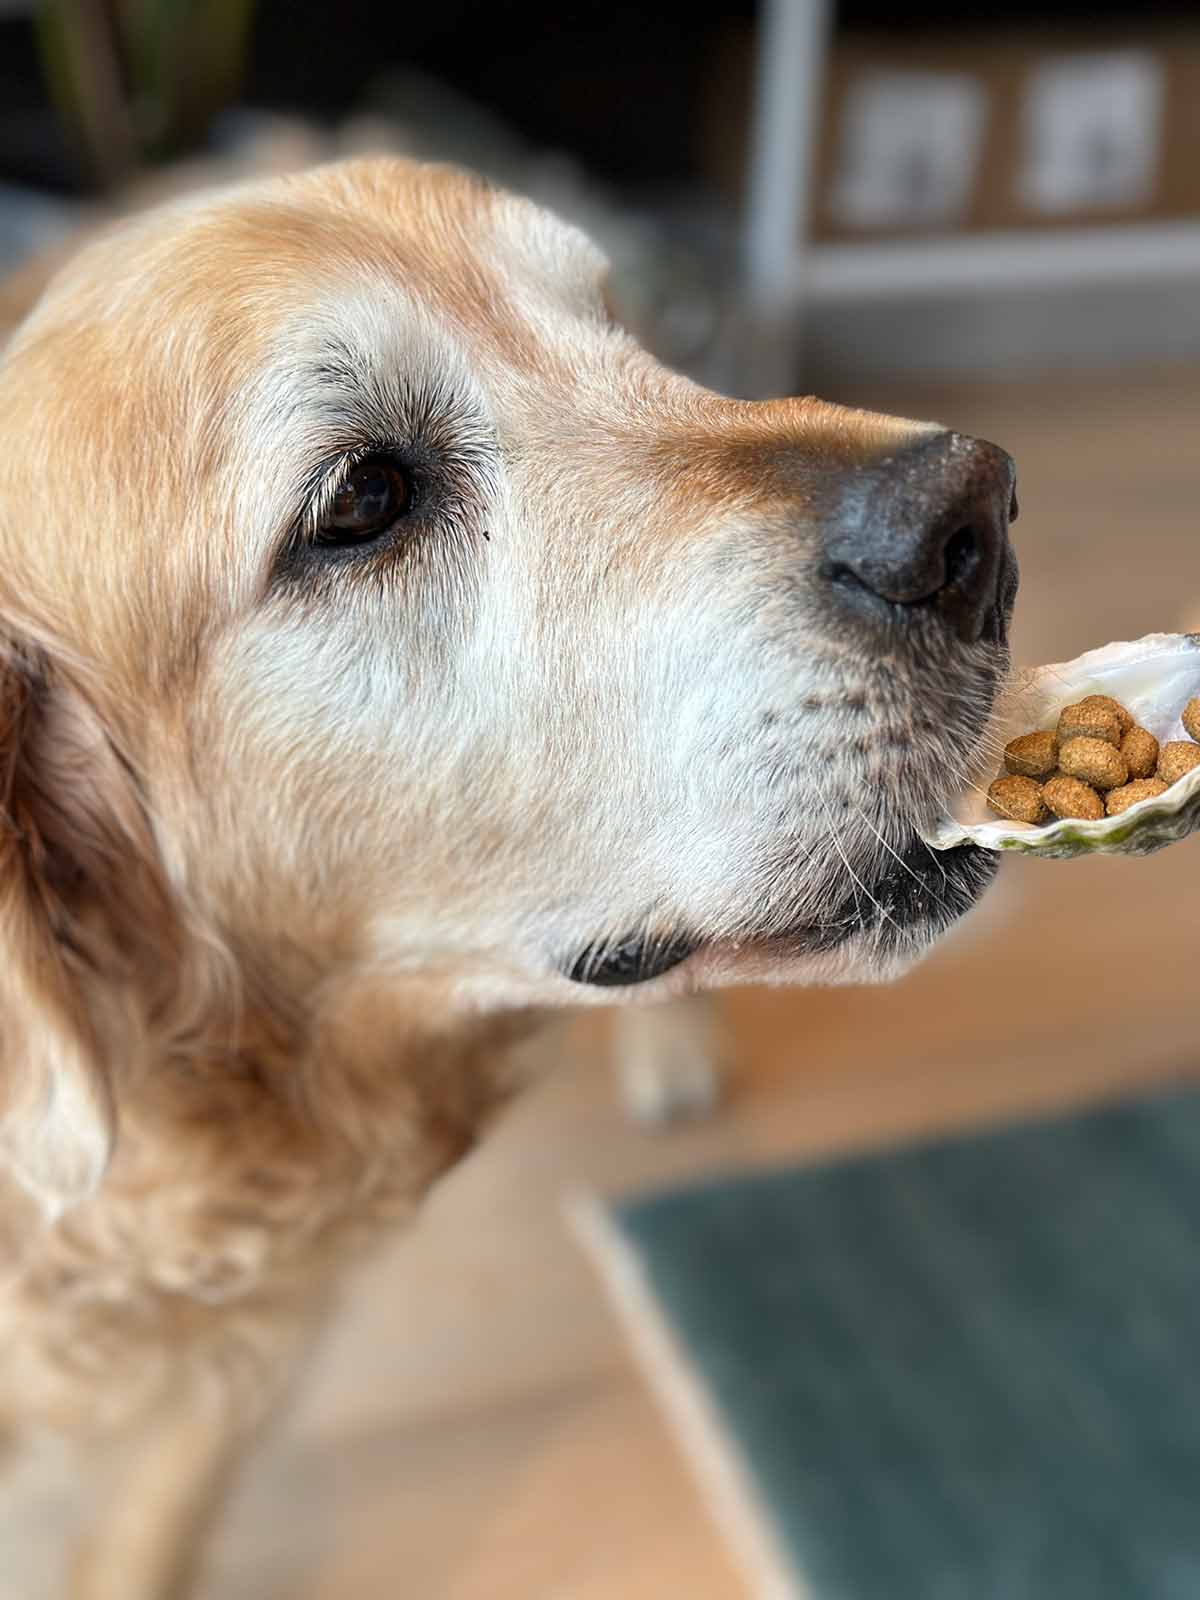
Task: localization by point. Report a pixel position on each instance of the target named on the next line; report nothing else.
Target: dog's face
(440, 630)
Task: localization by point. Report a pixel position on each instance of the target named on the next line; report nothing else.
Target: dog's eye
(372, 496)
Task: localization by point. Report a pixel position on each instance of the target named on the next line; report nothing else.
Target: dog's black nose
(926, 532)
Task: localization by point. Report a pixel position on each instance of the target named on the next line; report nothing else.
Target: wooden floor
(474, 1428)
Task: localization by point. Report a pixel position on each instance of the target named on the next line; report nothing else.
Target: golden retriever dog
(391, 654)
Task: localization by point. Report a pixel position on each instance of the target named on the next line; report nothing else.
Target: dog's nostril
(961, 555)
(838, 572)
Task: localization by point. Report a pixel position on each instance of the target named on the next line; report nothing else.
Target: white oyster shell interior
(1153, 678)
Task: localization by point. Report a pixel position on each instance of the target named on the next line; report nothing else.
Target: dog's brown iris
(373, 495)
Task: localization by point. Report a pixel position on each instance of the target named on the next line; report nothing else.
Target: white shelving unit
(793, 40)
(1009, 299)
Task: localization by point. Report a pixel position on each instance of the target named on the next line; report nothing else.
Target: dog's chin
(917, 896)
(886, 922)
(880, 930)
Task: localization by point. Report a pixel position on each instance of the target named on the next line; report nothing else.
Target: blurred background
(987, 215)
(941, 187)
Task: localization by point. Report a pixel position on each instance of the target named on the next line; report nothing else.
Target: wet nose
(925, 532)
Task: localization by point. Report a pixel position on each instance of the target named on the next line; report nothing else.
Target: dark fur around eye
(414, 474)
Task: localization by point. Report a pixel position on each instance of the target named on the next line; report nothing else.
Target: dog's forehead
(207, 284)
(452, 215)
(495, 267)
(488, 280)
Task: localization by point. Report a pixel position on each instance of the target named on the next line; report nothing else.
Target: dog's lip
(916, 888)
(631, 961)
(919, 889)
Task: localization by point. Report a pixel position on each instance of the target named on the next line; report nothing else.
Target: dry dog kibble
(1099, 760)
(1033, 755)
(1118, 710)
(1094, 761)
(1140, 750)
(1067, 797)
(1176, 758)
(1118, 800)
(1089, 720)
(1018, 799)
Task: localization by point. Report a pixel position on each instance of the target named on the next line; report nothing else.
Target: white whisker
(837, 844)
(916, 877)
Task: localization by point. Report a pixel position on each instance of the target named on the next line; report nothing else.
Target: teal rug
(964, 1371)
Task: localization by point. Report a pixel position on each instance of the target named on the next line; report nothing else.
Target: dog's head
(372, 602)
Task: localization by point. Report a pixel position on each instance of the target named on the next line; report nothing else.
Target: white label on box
(908, 148)
(1091, 132)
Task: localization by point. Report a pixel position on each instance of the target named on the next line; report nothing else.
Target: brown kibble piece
(1018, 799)
(1140, 751)
(1089, 721)
(1118, 710)
(1067, 797)
(1118, 800)
(1033, 755)
(1176, 758)
(1095, 761)
(1191, 718)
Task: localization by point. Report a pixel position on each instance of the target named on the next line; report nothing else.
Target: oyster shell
(1154, 678)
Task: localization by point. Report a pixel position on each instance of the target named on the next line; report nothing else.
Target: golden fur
(270, 931)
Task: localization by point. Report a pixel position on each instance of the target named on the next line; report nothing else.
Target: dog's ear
(75, 868)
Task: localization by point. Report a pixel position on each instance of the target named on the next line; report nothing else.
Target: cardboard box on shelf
(944, 134)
